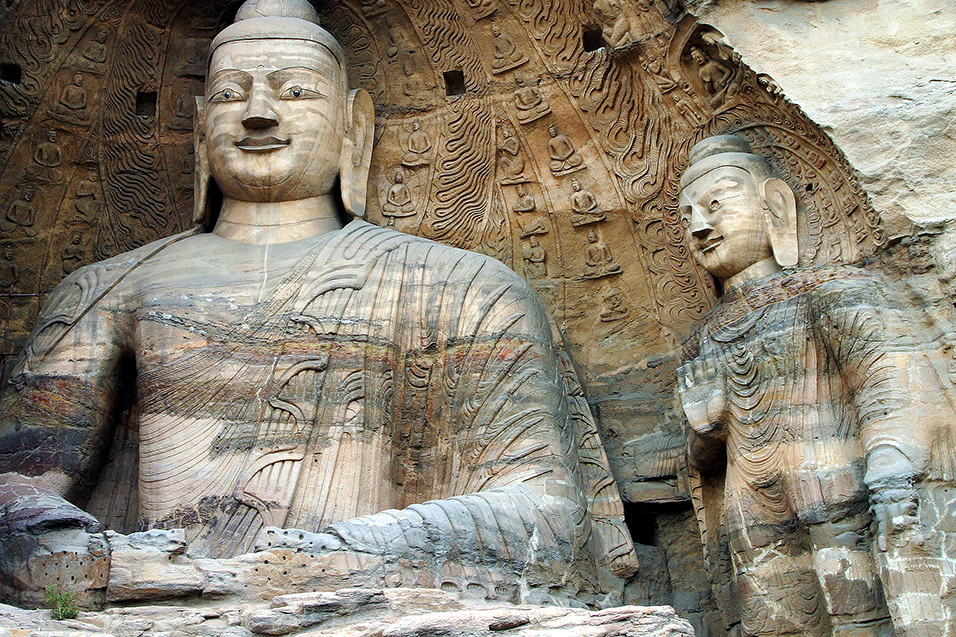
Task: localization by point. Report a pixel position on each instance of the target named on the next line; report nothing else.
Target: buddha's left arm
(514, 507)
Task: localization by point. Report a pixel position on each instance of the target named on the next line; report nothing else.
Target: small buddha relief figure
(373, 7)
(183, 119)
(193, 57)
(506, 54)
(481, 8)
(47, 159)
(614, 306)
(535, 258)
(819, 427)
(71, 108)
(9, 269)
(419, 146)
(598, 258)
(21, 214)
(86, 204)
(537, 226)
(413, 83)
(188, 163)
(398, 199)
(652, 62)
(398, 40)
(94, 55)
(74, 254)
(718, 79)
(618, 26)
(510, 156)
(525, 202)
(529, 102)
(564, 159)
(584, 206)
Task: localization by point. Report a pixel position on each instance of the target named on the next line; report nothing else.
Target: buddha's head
(735, 211)
(278, 122)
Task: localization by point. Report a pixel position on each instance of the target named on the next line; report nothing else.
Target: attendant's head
(279, 123)
(736, 212)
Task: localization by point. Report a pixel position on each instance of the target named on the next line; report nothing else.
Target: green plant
(61, 604)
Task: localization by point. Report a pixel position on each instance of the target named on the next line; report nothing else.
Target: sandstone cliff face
(877, 75)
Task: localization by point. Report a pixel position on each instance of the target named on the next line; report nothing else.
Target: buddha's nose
(699, 226)
(259, 113)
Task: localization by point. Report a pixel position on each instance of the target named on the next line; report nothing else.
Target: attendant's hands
(703, 395)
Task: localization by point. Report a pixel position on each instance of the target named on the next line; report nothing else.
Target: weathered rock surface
(894, 115)
(355, 613)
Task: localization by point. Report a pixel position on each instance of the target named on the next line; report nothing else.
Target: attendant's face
(274, 119)
(724, 223)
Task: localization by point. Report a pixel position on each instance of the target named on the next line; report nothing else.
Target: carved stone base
(400, 612)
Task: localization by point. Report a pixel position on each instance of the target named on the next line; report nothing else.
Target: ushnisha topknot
(277, 9)
(724, 150)
(278, 20)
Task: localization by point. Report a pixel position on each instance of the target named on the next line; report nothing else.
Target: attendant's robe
(821, 367)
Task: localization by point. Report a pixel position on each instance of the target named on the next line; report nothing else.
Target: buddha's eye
(297, 92)
(714, 205)
(227, 95)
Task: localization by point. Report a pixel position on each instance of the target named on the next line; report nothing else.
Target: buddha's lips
(261, 144)
(710, 243)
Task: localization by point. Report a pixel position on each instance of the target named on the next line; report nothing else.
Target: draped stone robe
(820, 367)
(406, 393)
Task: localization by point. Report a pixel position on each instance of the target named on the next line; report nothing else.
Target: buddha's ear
(780, 218)
(357, 151)
(201, 175)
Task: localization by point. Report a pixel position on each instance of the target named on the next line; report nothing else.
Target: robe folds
(405, 397)
(821, 369)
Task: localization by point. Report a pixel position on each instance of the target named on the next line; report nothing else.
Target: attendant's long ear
(357, 152)
(780, 217)
(201, 175)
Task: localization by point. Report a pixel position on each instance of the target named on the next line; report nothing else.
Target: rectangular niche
(454, 83)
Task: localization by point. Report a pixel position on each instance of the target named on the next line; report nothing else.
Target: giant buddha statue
(820, 421)
(289, 367)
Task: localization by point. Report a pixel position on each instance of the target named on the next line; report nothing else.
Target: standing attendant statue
(820, 421)
(300, 373)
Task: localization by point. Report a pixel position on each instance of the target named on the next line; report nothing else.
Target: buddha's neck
(277, 222)
(759, 269)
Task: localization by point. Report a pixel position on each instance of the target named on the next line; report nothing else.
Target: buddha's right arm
(509, 534)
(59, 408)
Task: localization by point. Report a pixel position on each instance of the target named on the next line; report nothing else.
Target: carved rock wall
(549, 135)
(505, 126)
(878, 76)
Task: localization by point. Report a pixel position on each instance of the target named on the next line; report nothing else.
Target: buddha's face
(724, 221)
(274, 119)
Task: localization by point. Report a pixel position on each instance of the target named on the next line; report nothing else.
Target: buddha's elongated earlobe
(201, 174)
(780, 217)
(357, 152)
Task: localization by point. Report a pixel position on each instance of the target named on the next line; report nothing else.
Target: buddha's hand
(36, 523)
(703, 395)
(894, 500)
(28, 508)
(272, 537)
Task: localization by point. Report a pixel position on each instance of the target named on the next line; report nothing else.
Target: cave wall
(549, 135)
